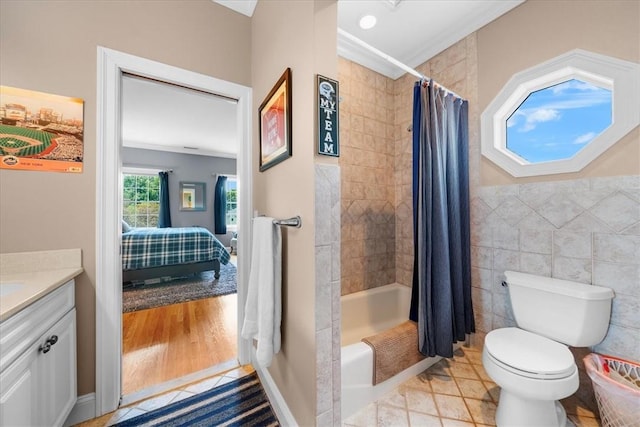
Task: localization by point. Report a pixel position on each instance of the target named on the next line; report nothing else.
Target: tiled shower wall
(366, 162)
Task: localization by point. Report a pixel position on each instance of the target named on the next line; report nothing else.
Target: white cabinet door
(18, 388)
(39, 388)
(57, 372)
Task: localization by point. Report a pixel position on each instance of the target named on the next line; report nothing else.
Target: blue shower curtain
(441, 294)
(164, 217)
(220, 206)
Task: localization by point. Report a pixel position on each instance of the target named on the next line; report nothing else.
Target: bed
(149, 253)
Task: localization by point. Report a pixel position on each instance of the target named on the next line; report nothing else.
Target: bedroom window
(232, 203)
(141, 200)
(559, 116)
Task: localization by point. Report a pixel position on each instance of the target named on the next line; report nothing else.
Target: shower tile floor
(452, 393)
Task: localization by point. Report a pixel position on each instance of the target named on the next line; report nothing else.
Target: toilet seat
(529, 355)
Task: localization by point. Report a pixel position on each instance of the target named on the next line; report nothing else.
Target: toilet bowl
(532, 363)
(533, 373)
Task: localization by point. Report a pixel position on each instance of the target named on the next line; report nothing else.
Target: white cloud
(538, 115)
(583, 139)
(577, 85)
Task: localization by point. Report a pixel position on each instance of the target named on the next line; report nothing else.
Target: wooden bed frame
(172, 270)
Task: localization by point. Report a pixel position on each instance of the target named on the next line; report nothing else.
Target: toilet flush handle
(504, 283)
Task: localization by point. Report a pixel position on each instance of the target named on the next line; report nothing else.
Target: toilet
(532, 363)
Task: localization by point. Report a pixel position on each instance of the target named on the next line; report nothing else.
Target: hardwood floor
(165, 343)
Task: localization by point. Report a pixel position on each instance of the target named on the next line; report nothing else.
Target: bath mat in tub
(394, 350)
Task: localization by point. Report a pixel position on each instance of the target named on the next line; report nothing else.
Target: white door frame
(111, 65)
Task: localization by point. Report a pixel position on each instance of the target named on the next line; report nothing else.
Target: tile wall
(327, 312)
(367, 168)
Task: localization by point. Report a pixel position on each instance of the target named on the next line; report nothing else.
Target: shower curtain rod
(391, 59)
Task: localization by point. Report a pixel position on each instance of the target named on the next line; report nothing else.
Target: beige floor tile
(474, 389)
(455, 423)
(420, 382)
(366, 417)
(575, 406)
(417, 419)
(394, 398)
(482, 411)
(440, 368)
(494, 390)
(474, 357)
(182, 395)
(460, 356)
(421, 401)
(463, 370)
(482, 373)
(452, 407)
(157, 402)
(444, 385)
(205, 385)
(390, 416)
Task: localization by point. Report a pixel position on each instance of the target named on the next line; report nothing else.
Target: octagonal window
(556, 122)
(559, 116)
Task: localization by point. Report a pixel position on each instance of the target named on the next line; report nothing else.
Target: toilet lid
(532, 354)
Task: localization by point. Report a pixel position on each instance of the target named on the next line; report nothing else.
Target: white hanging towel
(263, 309)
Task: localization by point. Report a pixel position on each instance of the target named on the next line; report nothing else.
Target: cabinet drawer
(22, 329)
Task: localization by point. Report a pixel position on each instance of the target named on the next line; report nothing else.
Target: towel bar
(296, 221)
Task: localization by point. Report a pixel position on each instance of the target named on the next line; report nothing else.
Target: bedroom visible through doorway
(179, 288)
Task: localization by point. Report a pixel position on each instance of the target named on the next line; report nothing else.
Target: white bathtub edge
(357, 390)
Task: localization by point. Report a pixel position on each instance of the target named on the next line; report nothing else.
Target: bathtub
(363, 314)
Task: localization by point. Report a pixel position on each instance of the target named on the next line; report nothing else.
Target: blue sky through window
(556, 122)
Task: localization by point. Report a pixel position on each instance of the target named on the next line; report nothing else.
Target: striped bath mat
(242, 402)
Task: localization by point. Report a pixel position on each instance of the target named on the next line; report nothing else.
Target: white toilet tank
(573, 313)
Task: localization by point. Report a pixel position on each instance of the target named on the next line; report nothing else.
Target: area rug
(202, 285)
(241, 402)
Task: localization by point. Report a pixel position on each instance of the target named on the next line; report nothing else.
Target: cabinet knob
(46, 347)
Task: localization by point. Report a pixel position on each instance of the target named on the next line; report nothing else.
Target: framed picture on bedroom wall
(275, 124)
(193, 196)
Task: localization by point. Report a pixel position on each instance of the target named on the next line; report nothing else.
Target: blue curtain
(220, 206)
(164, 219)
(441, 294)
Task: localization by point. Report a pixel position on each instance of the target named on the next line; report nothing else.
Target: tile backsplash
(585, 230)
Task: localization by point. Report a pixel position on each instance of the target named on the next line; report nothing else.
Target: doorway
(111, 66)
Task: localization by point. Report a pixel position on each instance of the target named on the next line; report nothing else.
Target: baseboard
(279, 405)
(83, 410)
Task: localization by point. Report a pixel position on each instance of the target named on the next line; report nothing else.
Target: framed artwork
(40, 131)
(274, 118)
(192, 196)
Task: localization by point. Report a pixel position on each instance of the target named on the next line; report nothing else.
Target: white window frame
(233, 227)
(127, 170)
(622, 78)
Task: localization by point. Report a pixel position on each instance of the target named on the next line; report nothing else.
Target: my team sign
(328, 98)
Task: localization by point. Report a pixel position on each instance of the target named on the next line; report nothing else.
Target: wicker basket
(616, 383)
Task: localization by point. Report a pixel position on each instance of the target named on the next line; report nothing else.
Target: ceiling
(411, 31)
(155, 115)
(166, 117)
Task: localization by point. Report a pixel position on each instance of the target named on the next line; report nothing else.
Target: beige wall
(299, 35)
(50, 46)
(367, 149)
(539, 30)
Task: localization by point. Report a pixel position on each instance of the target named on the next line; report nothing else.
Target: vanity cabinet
(38, 362)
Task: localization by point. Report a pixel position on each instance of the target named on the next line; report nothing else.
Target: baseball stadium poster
(40, 131)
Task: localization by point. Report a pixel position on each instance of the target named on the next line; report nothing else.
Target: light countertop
(26, 277)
